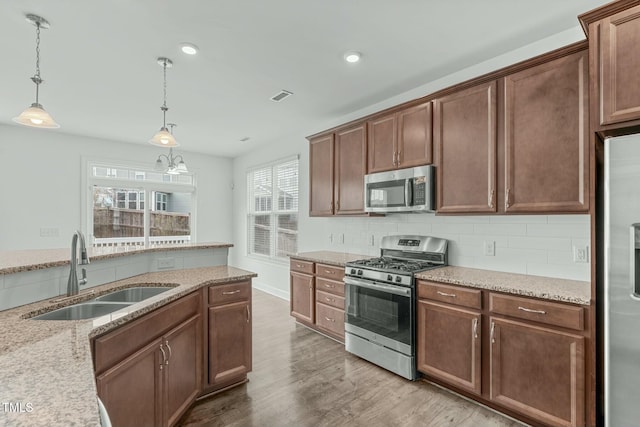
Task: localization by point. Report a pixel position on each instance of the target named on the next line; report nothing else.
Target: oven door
(380, 313)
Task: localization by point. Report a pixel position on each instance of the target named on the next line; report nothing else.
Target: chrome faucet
(73, 283)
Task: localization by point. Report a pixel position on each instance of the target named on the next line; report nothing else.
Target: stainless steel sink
(131, 295)
(83, 310)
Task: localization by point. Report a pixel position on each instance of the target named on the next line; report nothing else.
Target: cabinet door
(465, 141)
(321, 176)
(547, 137)
(302, 302)
(619, 79)
(538, 372)
(415, 136)
(229, 342)
(350, 168)
(449, 344)
(382, 144)
(183, 367)
(132, 390)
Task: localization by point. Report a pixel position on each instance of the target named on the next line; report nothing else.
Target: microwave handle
(408, 192)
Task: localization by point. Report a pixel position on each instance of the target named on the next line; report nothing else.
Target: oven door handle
(396, 290)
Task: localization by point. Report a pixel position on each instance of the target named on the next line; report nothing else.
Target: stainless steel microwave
(402, 190)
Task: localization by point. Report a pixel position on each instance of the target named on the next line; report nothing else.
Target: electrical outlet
(166, 263)
(489, 248)
(49, 232)
(581, 254)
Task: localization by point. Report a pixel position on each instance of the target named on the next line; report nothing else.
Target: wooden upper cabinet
(465, 143)
(400, 140)
(349, 170)
(382, 142)
(321, 153)
(619, 53)
(546, 130)
(415, 143)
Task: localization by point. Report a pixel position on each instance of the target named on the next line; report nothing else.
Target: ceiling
(98, 60)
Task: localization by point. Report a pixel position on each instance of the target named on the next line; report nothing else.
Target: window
(119, 216)
(272, 209)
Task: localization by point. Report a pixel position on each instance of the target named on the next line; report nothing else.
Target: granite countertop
(36, 259)
(328, 257)
(46, 367)
(572, 291)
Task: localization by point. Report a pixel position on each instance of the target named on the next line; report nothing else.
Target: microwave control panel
(419, 190)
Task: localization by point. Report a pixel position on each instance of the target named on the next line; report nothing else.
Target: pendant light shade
(163, 137)
(171, 167)
(35, 115)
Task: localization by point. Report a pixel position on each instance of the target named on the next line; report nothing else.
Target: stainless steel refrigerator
(622, 281)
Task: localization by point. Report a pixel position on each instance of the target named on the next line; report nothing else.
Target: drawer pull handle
(329, 319)
(329, 272)
(444, 294)
(529, 310)
(475, 327)
(298, 265)
(492, 335)
(326, 285)
(330, 299)
(230, 292)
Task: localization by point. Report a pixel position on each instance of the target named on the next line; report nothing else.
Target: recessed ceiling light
(189, 48)
(245, 139)
(352, 57)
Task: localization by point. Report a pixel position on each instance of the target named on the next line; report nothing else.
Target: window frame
(273, 213)
(135, 184)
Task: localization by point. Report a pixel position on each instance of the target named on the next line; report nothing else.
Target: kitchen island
(46, 367)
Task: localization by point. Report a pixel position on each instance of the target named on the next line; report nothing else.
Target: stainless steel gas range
(381, 301)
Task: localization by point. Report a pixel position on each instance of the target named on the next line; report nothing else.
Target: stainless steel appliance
(381, 301)
(622, 281)
(402, 190)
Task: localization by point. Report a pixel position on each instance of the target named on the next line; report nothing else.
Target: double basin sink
(103, 304)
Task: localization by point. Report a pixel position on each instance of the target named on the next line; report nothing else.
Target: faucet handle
(84, 279)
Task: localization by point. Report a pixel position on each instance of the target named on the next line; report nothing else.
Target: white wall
(40, 184)
(532, 244)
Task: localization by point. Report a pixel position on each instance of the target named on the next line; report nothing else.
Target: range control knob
(389, 278)
(398, 279)
(359, 272)
(353, 271)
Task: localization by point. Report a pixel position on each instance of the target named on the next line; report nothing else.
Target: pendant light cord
(36, 78)
(164, 107)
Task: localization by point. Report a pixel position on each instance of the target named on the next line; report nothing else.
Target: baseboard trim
(271, 290)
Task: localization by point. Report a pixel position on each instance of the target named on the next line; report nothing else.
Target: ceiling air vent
(281, 95)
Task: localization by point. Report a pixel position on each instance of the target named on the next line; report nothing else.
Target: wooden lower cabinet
(131, 391)
(155, 385)
(229, 335)
(449, 344)
(523, 356)
(302, 302)
(229, 342)
(538, 372)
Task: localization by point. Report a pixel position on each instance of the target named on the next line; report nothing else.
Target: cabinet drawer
(330, 272)
(456, 295)
(301, 266)
(330, 318)
(330, 286)
(116, 345)
(232, 292)
(563, 315)
(330, 299)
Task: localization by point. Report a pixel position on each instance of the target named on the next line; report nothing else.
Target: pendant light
(163, 137)
(172, 168)
(36, 116)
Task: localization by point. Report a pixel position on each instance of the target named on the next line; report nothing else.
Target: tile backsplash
(540, 245)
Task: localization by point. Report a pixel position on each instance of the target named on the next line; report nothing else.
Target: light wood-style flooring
(301, 378)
